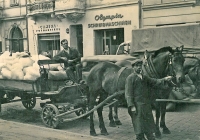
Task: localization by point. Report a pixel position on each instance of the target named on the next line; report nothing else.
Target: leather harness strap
(150, 69)
(118, 75)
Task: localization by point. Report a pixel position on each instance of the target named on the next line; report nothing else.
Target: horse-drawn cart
(26, 90)
(61, 97)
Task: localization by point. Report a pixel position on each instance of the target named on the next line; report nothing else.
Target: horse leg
(92, 101)
(162, 121)
(117, 121)
(110, 116)
(157, 110)
(100, 115)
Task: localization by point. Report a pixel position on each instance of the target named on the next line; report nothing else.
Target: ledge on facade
(14, 4)
(46, 16)
(11, 18)
(169, 5)
(73, 14)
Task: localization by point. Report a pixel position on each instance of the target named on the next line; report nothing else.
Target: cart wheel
(82, 111)
(29, 101)
(49, 111)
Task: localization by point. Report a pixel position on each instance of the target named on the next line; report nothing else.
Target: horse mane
(164, 49)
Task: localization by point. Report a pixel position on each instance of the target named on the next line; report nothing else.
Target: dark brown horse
(106, 78)
(192, 68)
(190, 88)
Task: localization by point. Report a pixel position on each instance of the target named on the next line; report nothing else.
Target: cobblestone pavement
(184, 123)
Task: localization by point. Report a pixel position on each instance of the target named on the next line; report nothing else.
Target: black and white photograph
(99, 69)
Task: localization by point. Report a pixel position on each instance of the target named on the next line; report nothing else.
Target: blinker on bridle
(171, 69)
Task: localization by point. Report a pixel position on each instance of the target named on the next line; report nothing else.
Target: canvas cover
(152, 39)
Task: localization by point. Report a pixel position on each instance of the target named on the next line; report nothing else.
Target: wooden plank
(49, 61)
(196, 101)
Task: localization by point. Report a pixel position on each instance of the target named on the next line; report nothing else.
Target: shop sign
(109, 17)
(110, 24)
(104, 18)
(48, 27)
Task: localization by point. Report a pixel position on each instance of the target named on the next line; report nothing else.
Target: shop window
(107, 41)
(49, 44)
(14, 3)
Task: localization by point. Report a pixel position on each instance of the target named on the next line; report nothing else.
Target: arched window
(17, 40)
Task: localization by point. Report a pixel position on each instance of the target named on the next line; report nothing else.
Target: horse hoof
(166, 131)
(118, 123)
(93, 133)
(112, 124)
(104, 133)
(158, 135)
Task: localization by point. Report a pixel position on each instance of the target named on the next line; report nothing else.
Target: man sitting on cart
(72, 61)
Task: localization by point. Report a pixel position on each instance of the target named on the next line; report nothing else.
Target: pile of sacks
(20, 66)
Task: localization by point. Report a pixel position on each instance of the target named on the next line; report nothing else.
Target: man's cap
(136, 61)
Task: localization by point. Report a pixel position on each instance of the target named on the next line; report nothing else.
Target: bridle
(149, 68)
(170, 70)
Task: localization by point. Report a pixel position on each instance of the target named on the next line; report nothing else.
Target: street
(22, 124)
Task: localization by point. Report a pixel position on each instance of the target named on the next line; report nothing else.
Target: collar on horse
(149, 67)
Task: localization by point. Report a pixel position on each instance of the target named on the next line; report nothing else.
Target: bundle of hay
(21, 66)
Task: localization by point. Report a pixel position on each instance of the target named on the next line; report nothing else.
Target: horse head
(168, 61)
(177, 60)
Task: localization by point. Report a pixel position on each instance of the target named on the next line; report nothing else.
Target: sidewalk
(10, 130)
(184, 124)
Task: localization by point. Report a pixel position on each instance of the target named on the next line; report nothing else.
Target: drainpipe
(140, 13)
(27, 27)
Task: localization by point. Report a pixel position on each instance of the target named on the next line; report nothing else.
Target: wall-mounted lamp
(114, 37)
(67, 30)
(52, 15)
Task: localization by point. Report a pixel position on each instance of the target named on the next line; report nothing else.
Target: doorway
(76, 37)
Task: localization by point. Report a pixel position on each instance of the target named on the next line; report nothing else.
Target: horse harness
(149, 68)
(118, 76)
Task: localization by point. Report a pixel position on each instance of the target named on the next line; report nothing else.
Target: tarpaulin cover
(152, 39)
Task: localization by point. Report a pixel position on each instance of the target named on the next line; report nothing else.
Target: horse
(192, 68)
(107, 78)
(190, 87)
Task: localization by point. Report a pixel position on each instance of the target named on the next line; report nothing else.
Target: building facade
(156, 13)
(13, 26)
(92, 26)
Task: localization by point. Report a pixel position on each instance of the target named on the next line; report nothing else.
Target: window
(49, 43)
(14, 3)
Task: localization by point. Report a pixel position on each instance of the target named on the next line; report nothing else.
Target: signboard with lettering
(48, 28)
(108, 21)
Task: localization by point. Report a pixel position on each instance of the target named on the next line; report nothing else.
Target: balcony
(73, 10)
(40, 8)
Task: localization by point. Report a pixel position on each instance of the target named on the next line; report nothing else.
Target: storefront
(108, 27)
(99, 31)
